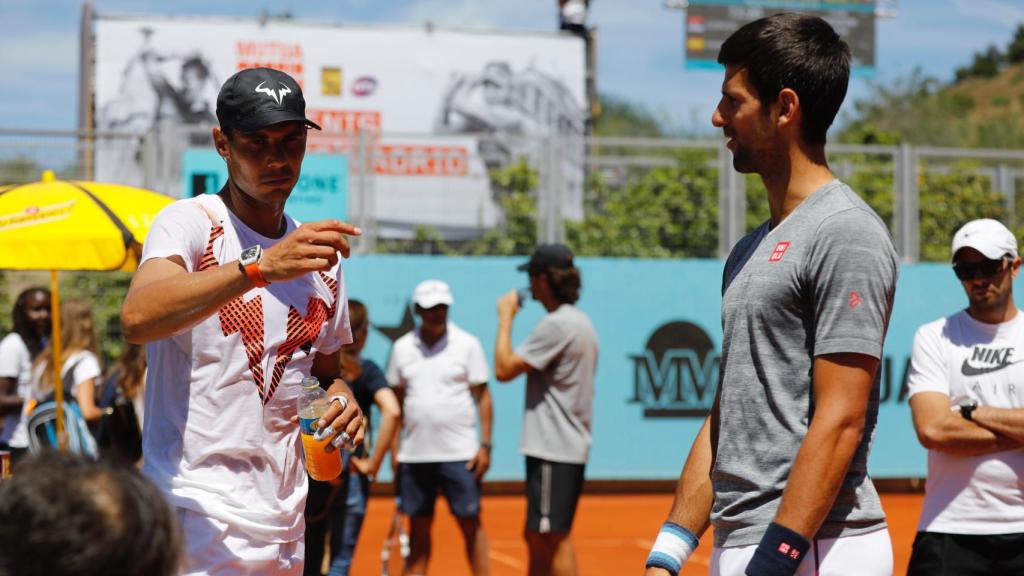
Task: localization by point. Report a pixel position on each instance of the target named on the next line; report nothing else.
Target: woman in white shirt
(31, 331)
(80, 370)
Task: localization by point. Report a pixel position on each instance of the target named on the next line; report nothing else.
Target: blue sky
(640, 44)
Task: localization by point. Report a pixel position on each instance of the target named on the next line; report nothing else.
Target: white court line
(505, 559)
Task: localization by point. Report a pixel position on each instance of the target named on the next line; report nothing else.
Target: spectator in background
(129, 374)
(967, 399)
(119, 431)
(340, 506)
(441, 373)
(64, 514)
(559, 359)
(18, 349)
(80, 370)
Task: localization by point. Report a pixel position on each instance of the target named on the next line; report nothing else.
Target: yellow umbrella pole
(56, 363)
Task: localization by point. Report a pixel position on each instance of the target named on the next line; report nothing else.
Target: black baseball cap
(255, 98)
(549, 256)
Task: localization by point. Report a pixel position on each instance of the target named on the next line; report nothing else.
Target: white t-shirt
(438, 413)
(16, 363)
(966, 359)
(219, 396)
(86, 367)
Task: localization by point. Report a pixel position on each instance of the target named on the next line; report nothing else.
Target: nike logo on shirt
(967, 370)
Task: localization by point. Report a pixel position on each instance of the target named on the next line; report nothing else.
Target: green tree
(1015, 51)
(622, 118)
(515, 188)
(664, 212)
(913, 109)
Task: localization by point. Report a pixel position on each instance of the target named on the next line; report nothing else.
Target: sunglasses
(988, 268)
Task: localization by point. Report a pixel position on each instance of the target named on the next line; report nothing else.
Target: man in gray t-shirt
(559, 359)
(780, 466)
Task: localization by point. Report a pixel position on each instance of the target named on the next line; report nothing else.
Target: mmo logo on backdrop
(677, 374)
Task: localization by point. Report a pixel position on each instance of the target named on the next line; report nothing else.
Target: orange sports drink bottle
(312, 404)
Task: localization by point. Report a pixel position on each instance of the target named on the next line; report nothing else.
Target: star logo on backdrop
(403, 327)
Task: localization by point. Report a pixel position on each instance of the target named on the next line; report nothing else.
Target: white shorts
(215, 548)
(861, 555)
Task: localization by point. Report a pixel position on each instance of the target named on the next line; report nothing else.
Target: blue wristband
(779, 554)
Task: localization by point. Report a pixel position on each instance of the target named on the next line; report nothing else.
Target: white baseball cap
(430, 293)
(987, 236)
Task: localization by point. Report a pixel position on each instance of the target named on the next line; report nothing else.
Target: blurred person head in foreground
(63, 514)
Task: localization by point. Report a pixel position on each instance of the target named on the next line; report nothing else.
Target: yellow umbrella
(69, 225)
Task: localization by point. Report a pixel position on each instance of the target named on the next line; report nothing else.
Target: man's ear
(788, 105)
(220, 142)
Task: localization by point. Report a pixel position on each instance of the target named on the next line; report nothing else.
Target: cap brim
(990, 252)
(269, 118)
(433, 300)
(523, 267)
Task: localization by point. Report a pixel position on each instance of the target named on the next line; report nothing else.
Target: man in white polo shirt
(440, 373)
(967, 400)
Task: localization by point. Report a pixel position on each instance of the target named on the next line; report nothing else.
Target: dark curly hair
(22, 325)
(63, 514)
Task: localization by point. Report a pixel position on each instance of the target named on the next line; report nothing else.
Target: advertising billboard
(437, 108)
(710, 22)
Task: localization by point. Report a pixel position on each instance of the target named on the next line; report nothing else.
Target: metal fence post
(550, 227)
(732, 203)
(1007, 187)
(906, 210)
(366, 216)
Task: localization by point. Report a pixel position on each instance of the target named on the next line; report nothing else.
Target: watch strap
(251, 266)
(967, 410)
(255, 275)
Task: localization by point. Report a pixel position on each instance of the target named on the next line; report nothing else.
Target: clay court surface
(612, 535)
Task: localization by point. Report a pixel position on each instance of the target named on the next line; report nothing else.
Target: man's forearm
(10, 402)
(817, 475)
(385, 440)
(174, 303)
(486, 408)
(954, 435)
(1007, 423)
(694, 496)
(503, 348)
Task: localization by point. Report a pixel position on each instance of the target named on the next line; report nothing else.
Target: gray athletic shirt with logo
(562, 350)
(821, 282)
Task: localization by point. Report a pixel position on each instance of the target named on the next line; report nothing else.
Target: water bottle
(312, 404)
(522, 295)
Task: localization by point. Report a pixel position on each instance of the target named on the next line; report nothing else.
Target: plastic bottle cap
(310, 382)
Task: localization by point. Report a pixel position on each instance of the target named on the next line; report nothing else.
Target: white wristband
(672, 548)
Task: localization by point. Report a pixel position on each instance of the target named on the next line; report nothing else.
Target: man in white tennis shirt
(238, 302)
(967, 396)
(440, 373)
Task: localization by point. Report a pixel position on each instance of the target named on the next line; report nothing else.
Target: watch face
(249, 255)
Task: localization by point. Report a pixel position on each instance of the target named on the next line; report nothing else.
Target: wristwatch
(967, 408)
(249, 262)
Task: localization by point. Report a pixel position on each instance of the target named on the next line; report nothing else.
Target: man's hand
(347, 427)
(508, 305)
(655, 571)
(313, 247)
(480, 463)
